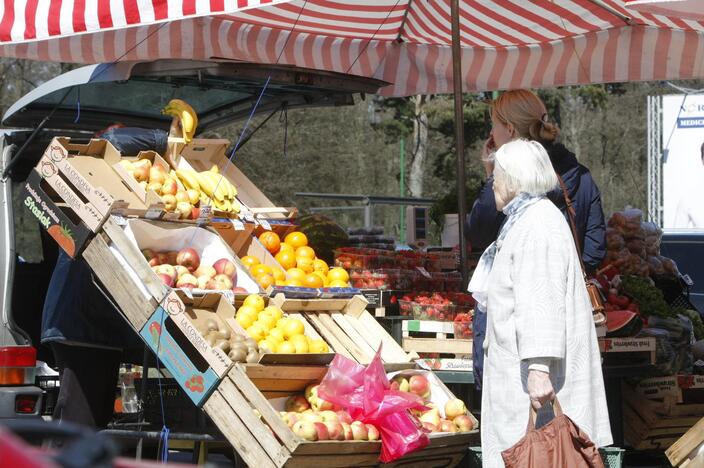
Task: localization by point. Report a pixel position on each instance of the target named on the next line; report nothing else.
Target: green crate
(612, 456)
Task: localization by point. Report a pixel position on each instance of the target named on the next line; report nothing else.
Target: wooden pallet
(265, 440)
(656, 425)
(348, 328)
(425, 336)
(684, 452)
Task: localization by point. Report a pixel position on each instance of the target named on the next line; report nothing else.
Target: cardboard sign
(71, 236)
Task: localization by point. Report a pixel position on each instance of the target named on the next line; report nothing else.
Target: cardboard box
(172, 333)
(78, 178)
(144, 195)
(163, 236)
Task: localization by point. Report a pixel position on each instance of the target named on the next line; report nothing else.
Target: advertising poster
(683, 161)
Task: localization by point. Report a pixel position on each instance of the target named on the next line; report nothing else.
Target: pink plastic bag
(364, 392)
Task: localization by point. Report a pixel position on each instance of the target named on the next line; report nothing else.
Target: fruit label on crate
(659, 388)
(265, 224)
(624, 345)
(119, 220)
(423, 272)
(86, 211)
(238, 225)
(153, 212)
(249, 217)
(690, 381)
(205, 214)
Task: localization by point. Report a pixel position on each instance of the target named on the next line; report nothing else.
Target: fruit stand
(238, 308)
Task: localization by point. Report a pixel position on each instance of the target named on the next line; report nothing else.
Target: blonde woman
(522, 114)
(540, 337)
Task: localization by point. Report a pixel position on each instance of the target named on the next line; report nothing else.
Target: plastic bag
(366, 395)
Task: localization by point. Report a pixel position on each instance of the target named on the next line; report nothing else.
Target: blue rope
(164, 435)
(78, 105)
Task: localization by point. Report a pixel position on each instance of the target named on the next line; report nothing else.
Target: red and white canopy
(506, 43)
(692, 9)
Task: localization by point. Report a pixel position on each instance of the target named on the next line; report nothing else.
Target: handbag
(598, 311)
(559, 443)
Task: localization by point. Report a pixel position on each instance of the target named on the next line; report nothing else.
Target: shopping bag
(557, 444)
(365, 393)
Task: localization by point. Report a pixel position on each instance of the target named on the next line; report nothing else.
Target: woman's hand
(488, 148)
(540, 388)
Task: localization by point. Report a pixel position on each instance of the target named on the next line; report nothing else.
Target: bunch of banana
(215, 189)
(186, 114)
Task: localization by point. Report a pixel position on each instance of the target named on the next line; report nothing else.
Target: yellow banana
(206, 184)
(219, 188)
(236, 207)
(205, 200)
(187, 116)
(215, 169)
(188, 177)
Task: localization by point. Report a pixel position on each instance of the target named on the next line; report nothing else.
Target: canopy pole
(459, 133)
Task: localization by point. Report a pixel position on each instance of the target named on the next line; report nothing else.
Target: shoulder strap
(571, 215)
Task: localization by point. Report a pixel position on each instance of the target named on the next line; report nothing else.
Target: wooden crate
(348, 328)
(201, 154)
(425, 336)
(685, 451)
(656, 425)
(265, 441)
(627, 351)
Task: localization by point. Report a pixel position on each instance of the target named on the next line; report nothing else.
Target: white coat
(538, 307)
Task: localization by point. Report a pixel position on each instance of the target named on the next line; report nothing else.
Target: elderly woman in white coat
(540, 340)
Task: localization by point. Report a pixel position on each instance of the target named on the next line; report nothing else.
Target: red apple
(184, 208)
(305, 430)
(400, 383)
(205, 270)
(181, 270)
(168, 270)
(141, 173)
(322, 405)
(195, 213)
(312, 417)
(166, 279)
(169, 187)
(225, 267)
(219, 283)
(429, 427)
(162, 257)
(311, 392)
(347, 431)
(447, 426)
(157, 175)
(148, 254)
(297, 404)
(335, 430)
(359, 431)
(329, 416)
(203, 281)
(344, 416)
(432, 416)
(171, 256)
(187, 281)
(322, 431)
(169, 202)
(454, 408)
(189, 258)
(182, 197)
(239, 290)
(419, 385)
(464, 423)
(372, 432)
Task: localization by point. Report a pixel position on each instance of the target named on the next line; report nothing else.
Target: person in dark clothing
(522, 114)
(87, 336)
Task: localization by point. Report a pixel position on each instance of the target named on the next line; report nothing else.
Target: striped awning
(506, 43)
(692, 9)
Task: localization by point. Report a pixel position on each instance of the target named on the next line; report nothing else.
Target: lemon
(294, 327)
(338, 273)
(301, 346)
(277, 335)
(338, 284)
(318, 346)
(299, 339)
(286, 348)
(321, 266)
(256, 331)
(305, 264)
(244, 320)
(295, 274)
(267, 321)
(275, 311)
(267, 346)
(249, 310)
(296, 283)
(254, 300)
(278, 273)
(282, 323)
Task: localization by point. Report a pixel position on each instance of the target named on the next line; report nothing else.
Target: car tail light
(25, 404)
(17, 365)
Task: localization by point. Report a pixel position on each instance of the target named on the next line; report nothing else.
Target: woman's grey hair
(525, 166)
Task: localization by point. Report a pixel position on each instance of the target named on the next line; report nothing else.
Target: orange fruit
(285, 246)
(296, 239)
(305, 264)
(278, 274)
(258, 270)
(286, 259)
(294, 283)
(280, 282)
(338, 274)
(250, 261)
(320, 265)
(322, 276)
(339, 284)
(313, 281)
(306, 252)
(296, 274)
(265, 280)
(271, 241)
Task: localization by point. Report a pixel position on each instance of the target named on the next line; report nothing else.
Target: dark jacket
(484, 222)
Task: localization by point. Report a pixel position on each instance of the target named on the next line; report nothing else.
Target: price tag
(265, 224)
(119, 220)
(249, 217)
(206, 213)
(239, 225)
(153, 212)
(423, 272)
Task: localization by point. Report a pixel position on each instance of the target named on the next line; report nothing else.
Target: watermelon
(324, 235)
(623, 323)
